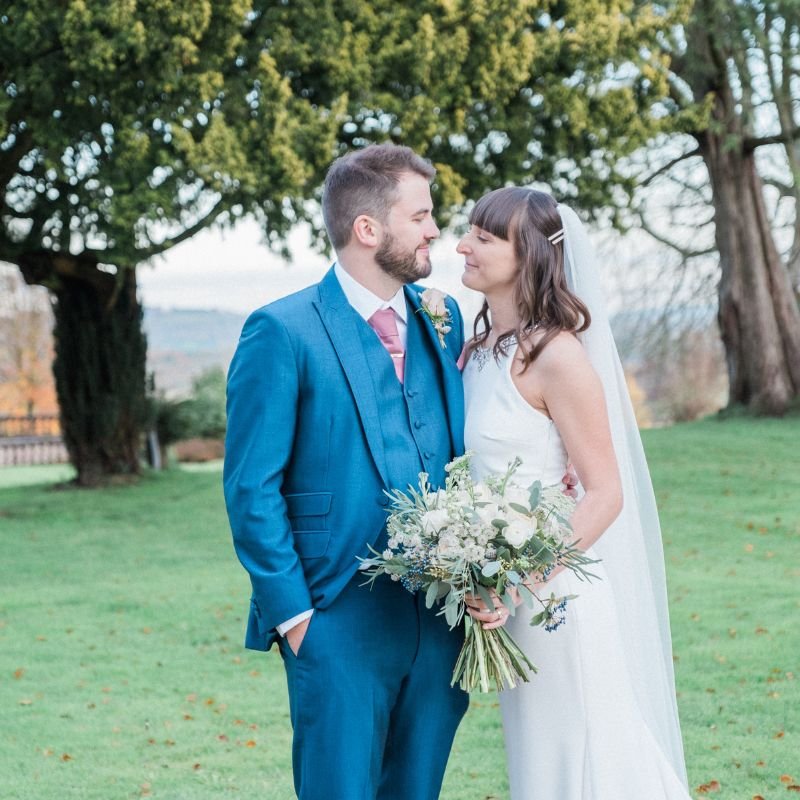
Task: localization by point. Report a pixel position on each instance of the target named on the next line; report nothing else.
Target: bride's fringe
(544, 302)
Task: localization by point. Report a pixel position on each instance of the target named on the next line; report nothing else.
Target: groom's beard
(401, 264)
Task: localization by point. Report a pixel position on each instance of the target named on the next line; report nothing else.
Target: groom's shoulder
(290, 308)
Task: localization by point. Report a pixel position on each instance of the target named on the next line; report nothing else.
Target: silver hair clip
(555, 238)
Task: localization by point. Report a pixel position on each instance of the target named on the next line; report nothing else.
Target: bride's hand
(494, 617)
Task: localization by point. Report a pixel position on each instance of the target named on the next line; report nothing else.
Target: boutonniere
(434, 308)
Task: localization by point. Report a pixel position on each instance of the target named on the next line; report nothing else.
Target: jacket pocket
(311, 544)
(309, 504)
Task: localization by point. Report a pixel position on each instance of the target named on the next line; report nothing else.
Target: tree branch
(669, 165)
(156, 249)
(685, 254)
(750, 143)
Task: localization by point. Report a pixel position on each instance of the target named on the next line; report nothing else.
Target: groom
(336, 394)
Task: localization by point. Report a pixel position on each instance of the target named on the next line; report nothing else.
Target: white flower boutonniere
(435, 309)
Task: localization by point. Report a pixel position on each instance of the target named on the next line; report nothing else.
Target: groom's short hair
(365, 182)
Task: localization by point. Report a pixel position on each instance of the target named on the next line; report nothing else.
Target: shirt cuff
(285, 627)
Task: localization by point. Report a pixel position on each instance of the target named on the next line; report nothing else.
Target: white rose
(433, 300)
(434, 521)
(517, 532)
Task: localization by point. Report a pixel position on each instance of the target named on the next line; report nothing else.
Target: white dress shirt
(366, 304)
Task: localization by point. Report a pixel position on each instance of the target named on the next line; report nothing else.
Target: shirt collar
(364, 301)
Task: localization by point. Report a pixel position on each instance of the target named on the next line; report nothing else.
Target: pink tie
(384, 323)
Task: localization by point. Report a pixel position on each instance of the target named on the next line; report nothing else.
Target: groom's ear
(366, 230)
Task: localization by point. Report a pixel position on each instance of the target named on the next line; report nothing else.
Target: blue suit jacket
(305, 468)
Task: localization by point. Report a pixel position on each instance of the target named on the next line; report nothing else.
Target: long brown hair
(526, 217)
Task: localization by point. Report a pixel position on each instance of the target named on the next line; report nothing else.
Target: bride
(543, 382)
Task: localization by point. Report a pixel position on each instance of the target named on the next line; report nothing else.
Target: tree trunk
(759, 317)
(100, 375)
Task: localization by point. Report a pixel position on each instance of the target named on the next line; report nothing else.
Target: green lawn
(122, 673)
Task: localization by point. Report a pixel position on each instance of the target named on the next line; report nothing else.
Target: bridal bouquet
(473, 537)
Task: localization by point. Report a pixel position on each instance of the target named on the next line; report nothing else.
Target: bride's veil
(631, 548)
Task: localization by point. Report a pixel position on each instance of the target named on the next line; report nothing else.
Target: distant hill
(182, 343)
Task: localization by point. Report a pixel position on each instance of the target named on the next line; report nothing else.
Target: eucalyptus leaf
(451, 614)
(483, 593)
(431, 594)
(491, 569)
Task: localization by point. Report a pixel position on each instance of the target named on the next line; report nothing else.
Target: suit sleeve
(263, 394)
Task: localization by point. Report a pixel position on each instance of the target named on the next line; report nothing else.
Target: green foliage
(202, 414)
(122, 617)
(127, 126)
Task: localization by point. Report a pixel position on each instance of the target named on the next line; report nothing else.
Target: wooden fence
(31, 439)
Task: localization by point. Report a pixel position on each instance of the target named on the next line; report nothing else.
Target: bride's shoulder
(562, 351)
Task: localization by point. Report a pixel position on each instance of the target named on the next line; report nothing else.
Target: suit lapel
(341, 322)
(451, 376)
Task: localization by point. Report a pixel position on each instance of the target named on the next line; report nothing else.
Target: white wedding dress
(576, 731)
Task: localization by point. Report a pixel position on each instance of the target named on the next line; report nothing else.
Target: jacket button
(427, 456)
(411, 393)
(418, 424)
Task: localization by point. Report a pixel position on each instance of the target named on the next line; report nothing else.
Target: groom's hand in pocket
(295, 636)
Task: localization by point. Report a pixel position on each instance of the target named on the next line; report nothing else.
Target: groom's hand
(295, 636)
(570, 481)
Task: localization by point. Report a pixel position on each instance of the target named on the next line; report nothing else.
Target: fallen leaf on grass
(195, 766)
(757, 797)
(787, 779)
(761, 763)
(250, 743)
(18, 673)
(779, 735)
(66, 757)
(706, 788)
(26, 701)
(793, 788)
